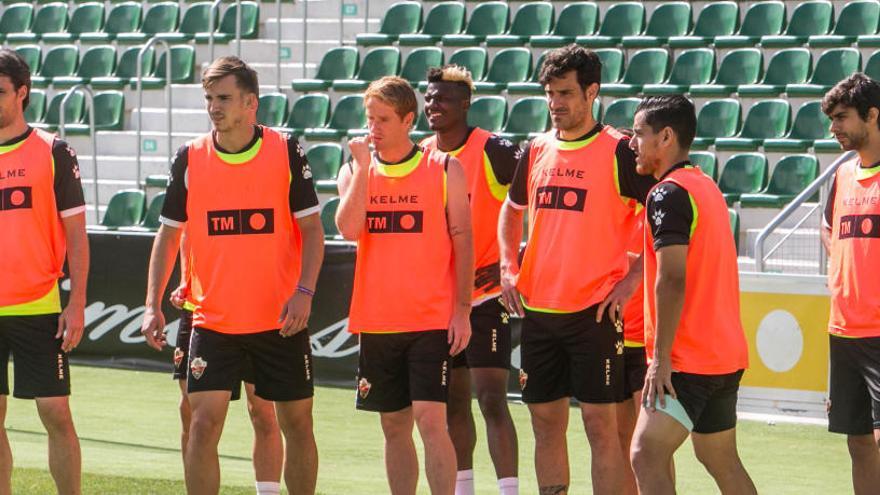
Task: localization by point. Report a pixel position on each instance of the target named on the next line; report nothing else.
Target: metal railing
(305, 40)
(212, 18)
(278, 46)
(761, 256)
(140, 98)
(90, 98)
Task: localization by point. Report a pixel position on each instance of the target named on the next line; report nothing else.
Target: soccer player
(489, 163)
(581, 189)
(256, 246)
(408, 210)
(693, 334)
(42, 217)
(852, 236)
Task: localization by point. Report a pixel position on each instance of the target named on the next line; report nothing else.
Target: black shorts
(41, 367)
(570, 355)
(282, 366)
(181, 356)
(490, 338)
(854, 398)
(709, 401)
(396, 369)
(635, 366)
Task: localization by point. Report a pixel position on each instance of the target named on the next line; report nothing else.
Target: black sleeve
(174, 207)
(632, 185)
(303, 198)
(519, 187)
(829, 204)
(68, 188)
(670, 215)
(503, 155)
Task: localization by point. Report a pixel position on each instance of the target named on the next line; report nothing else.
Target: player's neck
(666, 163)
(397, 152)
(869, 154)
(13, 130)
(453, 138)
(578, 131)
(234, 140)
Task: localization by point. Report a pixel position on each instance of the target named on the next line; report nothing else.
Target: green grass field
(128, 425)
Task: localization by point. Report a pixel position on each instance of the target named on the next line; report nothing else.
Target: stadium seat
(337, 64)
(810, 125)
(575, 19)
(528, 117)
(761, 19)
(692, 66)
(509, 65)
(855, 19)
(97, 61)
(154, 210)
(36, 109)
(309, 111)
(250, 23)
(348, 116)
(717, 119)
(715, 19)
(488, 112)
(126, 69)
(324, 160)
(744, 173)
(16, 18)
(612, 64)
(160, 18)
(422, 129)
(532, 86)
(443, 18)
(196, 19)
(125, 209)
(51, 18)
(791, 175)
(668, 19)
(32, 55)
(733, 216)
(532, 19)
(872, 66)
(182, 68)
(400, 18)
(60, 61)
(767, 119)
(832, 66)
(647, 66)
(378, 62)
(73, 111)
(620, 112)
(811, 18)
(109, 113)
(272, 109)
(621, 19)
(86, 18)
(706, 161)
(415, 68)
(328, 218)
(789, 66)
(123, 18)
(739, 67)
(486, 19)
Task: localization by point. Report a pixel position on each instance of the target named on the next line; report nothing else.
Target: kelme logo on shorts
(241, 222)
(523, 379)
(860, 226)
(197, 367)
(364, 388)
(16, 198)
(561, 198)
(395, 222)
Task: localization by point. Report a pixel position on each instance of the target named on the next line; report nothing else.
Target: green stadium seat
(182, 68)
(97, 61)
(196, 19)
(337, 64)
(510, 65)
(733, 216)
(250, 21)
(647, 66)
(400, 18)
(475, 59)
(123, 18)
(715, 19)
(156, 180)
(621, 19)
(36, 109)
(86, 18)
(60, 61)
(73, 111)
(126, 69)
(378, 62)
(309, 111)
(532, 19)
(856, 19)
(612, 64)
(810, 125)
(422, 129)
(831, 67)
(443, 18)
(160, 18)
(620, 112)
(706, 161)
(488, 112)
(668, 19)
(348, 116)
(692, 66)
(154, 210)
(575, 19)
(789, 66)
(791, 175)
(415, 68)
(532, 86)
(739, 67)
(486, 19)
(761, 19)
(717, 119)
(328, 218)
(16, 18)
(744, 173)
(51, 18)
(272, 109)
(813, 18)
(32, 55)
(324, 160)
(125, 209)
(767, 119)
(528, 117)
(872, 66)
(109, 114)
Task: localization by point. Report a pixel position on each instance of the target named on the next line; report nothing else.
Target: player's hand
(658, 383)
(459, 331)
(153, 328)
(70, 325)
(617, 298)
(295, 314)
(178, 296)
(360, 150)
(510, 297)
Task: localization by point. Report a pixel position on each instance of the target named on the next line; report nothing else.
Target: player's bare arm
(295, 314)
(622, 292)
(165, 248)
(72, 319)
(510, 226)
(351, 216)
(458, 213)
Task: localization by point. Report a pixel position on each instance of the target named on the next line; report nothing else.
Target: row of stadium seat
(125, 23)
(109, 111)
(671, 23)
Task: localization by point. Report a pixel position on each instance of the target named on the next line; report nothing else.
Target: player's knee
(599, 427)
(861, 446)
(56, 417)
(644, 457)
(205, 426)
(493, 405)
(264, 420)
(395, 429)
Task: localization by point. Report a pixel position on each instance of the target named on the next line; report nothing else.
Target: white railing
(140, 98)
(90, 98)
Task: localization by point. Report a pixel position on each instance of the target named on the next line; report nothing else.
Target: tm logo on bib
(561, 198)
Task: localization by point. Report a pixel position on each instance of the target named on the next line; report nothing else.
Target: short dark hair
(245, 76)
(569, 58)
(856, 91)
(453, 74)
(673, 111)
(13, 66)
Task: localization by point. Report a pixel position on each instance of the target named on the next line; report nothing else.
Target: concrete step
(183, 119)
(121, 167)
(326, 28)
(125, 143)
(266, 50)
